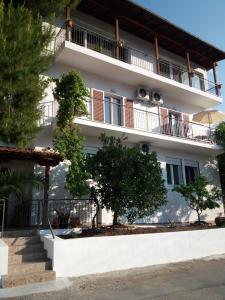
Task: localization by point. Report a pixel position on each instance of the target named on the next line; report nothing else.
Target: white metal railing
(48, 113)
(133, 118)
(97, 42)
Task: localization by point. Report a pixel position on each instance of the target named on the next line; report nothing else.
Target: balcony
(92, 52)
(139, 125)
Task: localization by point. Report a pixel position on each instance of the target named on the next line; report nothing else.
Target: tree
(128, 182)
(45, 8)
(220, 140)
(23, 60)
(71, 93)
(18, 183)
(199, 196)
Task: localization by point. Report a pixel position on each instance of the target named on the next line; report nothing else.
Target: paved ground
(201, 279)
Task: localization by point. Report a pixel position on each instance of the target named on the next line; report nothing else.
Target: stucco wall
(3, 258)
(77, 257)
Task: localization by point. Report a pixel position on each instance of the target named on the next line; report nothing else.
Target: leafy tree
(128, 182)
(220, 135)
(70, 92)
(45, 8)
(198, 195)
(220, 139)
(23, 58)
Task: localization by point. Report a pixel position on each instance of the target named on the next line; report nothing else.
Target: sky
(203, 18)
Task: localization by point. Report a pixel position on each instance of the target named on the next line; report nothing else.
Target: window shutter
(98, 110)
(129, 113)
(164, 120)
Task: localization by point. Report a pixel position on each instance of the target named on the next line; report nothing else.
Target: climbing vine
(71, 92)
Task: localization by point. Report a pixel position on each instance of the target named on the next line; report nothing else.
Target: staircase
(28, 262)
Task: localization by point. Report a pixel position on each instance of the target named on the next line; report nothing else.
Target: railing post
(117, 37)
(190, 72)
(217, 86)
(46, 189)
(157, 54)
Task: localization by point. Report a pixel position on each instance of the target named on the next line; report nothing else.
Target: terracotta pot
(220, 221)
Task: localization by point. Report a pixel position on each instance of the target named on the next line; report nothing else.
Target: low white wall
(82, 256)
(3, 258)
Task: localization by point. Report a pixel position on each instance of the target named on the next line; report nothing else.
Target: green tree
(19, 183)
(199, 196)
(23, 58)
(45, 8)
(220, 140)
(128, 182)
(71, 93)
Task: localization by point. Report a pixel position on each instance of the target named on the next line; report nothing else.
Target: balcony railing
(104, 45)
(48, 113)
(142, 120)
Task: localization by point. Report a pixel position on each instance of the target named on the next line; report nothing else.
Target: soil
(127, 230)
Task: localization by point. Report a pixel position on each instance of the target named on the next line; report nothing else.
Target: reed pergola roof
(41, 157)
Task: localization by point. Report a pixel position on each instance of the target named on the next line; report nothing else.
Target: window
(174, 171)
(113, 110)
(191, 170)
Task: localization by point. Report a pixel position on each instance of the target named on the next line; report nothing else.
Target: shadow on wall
(57, 182)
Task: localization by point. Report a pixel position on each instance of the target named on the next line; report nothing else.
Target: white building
(147, 78)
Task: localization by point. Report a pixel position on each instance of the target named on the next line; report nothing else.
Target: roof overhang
(41, 157)
(145, 24)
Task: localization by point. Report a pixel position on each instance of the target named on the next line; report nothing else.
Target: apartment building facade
(147, 78)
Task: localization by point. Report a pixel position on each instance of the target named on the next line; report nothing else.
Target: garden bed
(129, 230)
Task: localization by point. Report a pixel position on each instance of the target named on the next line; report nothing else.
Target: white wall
(3, 258)
(77, 257)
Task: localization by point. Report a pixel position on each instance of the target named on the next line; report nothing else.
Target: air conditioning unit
(143, 94)
(145, 147)
(156, 98)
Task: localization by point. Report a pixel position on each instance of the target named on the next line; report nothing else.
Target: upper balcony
(92, 52)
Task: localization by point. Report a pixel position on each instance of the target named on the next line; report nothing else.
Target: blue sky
(204, 18)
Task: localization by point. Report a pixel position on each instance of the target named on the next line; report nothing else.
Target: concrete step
(24, 249)
(29, 267)
(23, 279)
(19, 241)
(27, 257)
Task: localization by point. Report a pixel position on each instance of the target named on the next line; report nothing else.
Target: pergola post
(217, 86)
(157, 54)
(69, 22)
(46, 189)
(117, 37)
(189, 68)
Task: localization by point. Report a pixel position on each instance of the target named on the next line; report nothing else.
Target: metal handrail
(2, 206)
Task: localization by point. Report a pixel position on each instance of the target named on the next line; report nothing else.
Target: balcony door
(113, 110)
(174, 123)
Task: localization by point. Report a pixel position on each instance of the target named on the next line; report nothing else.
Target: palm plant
(19, 183)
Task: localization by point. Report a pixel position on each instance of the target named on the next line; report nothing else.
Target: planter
(83, 256)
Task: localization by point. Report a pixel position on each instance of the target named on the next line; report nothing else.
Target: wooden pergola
(137, 20)
(46, 158)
